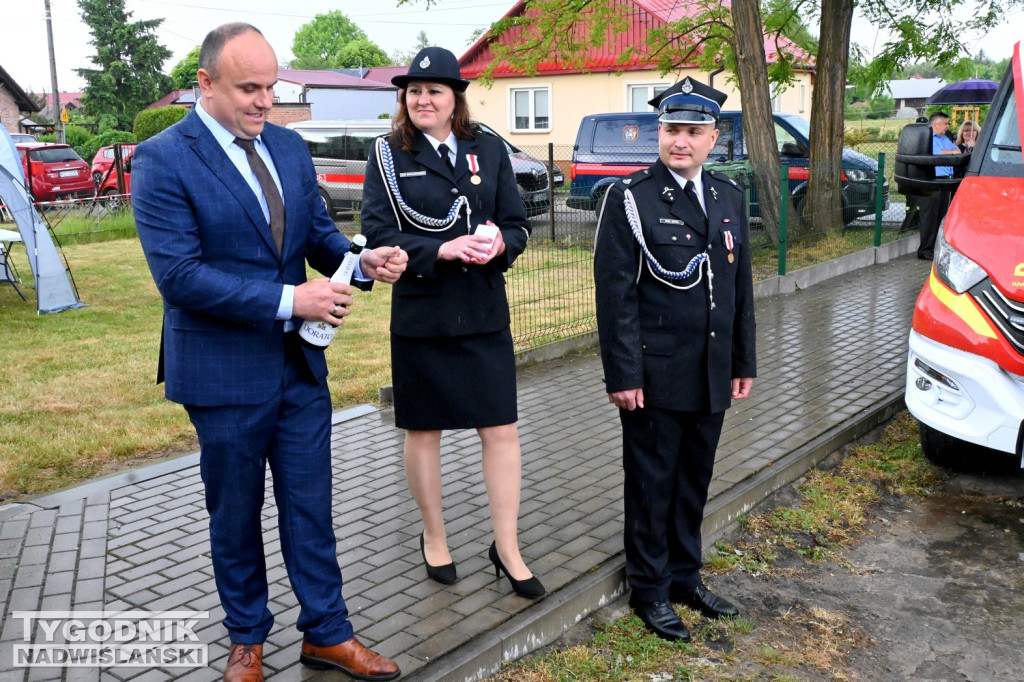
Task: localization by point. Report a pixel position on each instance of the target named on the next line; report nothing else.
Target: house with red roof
(548, 107)
(69, 100)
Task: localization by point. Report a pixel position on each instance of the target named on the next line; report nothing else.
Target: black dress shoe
(702, 599)
(660, 619)
(443, 574)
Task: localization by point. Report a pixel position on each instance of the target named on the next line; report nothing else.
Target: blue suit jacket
(213, 258)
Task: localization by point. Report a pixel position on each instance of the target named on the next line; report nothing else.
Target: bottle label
(317, 333)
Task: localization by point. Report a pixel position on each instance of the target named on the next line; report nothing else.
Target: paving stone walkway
(827, 356)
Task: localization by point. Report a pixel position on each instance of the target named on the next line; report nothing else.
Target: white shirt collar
(435, 143)
(225, 138)
(698, 185)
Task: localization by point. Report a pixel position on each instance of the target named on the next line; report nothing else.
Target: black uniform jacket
(674, 344)
(446, 298)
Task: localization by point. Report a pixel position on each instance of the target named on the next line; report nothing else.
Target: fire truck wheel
(958, 455)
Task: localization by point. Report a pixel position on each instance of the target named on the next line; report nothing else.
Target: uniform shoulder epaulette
(633, 178)
(719, 175)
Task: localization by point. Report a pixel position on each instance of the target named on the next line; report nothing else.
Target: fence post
(879, 199)
(783, 216)
(551, 188)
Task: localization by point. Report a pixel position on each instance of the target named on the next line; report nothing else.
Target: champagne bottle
(318, 333)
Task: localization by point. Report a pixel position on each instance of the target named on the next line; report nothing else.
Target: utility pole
(59, 125)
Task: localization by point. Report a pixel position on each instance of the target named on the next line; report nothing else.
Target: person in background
(446, 193)
(676, 350)
(935, 205)
(228, 214)
(967, 136)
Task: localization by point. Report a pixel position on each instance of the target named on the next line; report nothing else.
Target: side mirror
(127, 165)
(792, 149)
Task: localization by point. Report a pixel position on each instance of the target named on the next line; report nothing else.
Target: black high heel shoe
(529, 588)
(442, 574)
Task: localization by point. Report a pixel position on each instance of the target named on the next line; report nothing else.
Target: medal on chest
(729, 244)
(474, 167)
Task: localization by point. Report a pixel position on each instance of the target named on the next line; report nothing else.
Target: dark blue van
(610, 146)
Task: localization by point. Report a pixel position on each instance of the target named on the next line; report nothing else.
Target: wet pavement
(831, 365)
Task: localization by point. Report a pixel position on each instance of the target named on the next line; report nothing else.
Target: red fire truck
(965, 370)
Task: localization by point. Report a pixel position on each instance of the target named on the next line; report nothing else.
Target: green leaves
(333, 41)
(129, 62)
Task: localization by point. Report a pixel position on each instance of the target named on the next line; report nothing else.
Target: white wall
(351, 104)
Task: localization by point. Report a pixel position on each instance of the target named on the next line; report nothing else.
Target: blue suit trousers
(291, 432)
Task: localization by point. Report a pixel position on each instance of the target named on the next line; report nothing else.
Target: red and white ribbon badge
(727, 235)
(474, 163)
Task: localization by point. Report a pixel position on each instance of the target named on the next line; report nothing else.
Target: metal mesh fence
(551, 286)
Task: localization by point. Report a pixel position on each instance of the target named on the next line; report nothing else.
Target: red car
(104, 161)
(108, 182)
(54, 171)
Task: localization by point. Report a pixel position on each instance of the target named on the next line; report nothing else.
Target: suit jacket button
(465, 269)
(710, 246)
(455, 190)
(673, 237)
(712, 335)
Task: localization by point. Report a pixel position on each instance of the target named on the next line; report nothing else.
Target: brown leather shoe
(351, 658)
(245, 663)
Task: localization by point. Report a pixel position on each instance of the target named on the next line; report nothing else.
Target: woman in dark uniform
(430, 186)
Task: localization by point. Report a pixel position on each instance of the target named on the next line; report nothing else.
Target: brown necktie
(274, 202)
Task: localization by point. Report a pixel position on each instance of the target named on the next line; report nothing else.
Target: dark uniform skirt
(458, 382)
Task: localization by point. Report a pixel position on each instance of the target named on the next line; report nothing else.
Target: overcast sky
(23, 51)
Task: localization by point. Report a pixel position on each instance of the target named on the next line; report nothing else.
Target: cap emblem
(425, 63)
(687, 87)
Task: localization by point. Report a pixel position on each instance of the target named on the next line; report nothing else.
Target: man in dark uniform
(675, 315)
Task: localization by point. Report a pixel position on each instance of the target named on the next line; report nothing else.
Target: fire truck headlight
(956, 270)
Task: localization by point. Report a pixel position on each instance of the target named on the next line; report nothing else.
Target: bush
(75, 136)
(149, 122)
(104, 139)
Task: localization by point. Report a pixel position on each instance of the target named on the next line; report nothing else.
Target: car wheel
(112, 200)
(599, 198)
(800, 205)
(96, 177)
(327, 203)
(958, 455)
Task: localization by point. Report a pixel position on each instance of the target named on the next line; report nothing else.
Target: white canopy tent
(54, 289)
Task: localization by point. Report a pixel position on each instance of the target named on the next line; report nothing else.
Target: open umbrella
(973, 91)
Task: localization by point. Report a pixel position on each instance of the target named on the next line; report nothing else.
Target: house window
(640, 94)
(531, 109)
(803, 97)
(776, 100)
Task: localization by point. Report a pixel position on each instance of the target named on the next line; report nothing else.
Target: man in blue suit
(228, 213)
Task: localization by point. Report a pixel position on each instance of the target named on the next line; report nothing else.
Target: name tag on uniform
(412, 174)
(671, 221)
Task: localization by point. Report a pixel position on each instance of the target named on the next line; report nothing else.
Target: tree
(129, 59)
(402, 58)
(824, 198)
(184, 72)
(333, 41)
(360, 53)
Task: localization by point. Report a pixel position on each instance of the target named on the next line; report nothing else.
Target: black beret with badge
(689, 101)
(434, 65)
